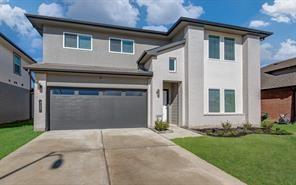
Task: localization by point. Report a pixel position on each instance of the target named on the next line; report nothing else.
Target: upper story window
(17, 64)
(214, 47)
(121, 46)
(172, 64)
(77, 41)
(229, 44)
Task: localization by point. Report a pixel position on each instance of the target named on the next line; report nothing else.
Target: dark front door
(75, 108)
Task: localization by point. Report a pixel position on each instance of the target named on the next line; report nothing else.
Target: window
(77, 41)
(115, 45)
(112, 93)
(214, 100)
(172, 65)
(229, 51)
(214, 47)
(84, 42)
(70, 40)
(63, 91)
(92, 92)
(121, 46)
(134, 93)
(127, 46)
(229, 100)
(17, 65)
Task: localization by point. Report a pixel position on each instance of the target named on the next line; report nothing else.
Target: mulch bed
(240, 131)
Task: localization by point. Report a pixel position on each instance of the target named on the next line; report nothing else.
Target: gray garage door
(72, 108)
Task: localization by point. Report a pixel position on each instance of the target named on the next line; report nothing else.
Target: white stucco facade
(197, 73)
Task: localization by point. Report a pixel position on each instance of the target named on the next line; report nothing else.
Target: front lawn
(256, 159)
(14, 135)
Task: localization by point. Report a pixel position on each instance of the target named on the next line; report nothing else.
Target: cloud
(36, 43)
(258, 23)
(4, 1)
(287, 50)
(119, 12)
(16, 20)
(281, 10)
(52, 9)
(156, 28)
(266, 51)
(167, 12)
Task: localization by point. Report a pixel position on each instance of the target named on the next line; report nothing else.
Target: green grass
(14, 135)
(289, 128)
(255, 159)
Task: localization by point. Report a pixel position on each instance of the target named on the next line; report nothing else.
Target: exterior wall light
(158, 93)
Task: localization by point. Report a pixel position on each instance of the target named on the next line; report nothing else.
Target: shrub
(264, 116)
(267, 125)
(279, 131)
(161, 125)
(247, 126)
(226, 126)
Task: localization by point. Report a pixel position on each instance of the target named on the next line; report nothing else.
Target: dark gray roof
(155, 51)
(270, 81)
(280, 65)
(260, 33)
(15, 46)
(53, 67)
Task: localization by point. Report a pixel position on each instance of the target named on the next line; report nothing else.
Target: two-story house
(197, 74)
(15, 82)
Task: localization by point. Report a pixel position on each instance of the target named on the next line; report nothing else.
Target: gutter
(119, 73)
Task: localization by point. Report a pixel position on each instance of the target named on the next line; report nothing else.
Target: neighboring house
(15, 82)
(197, 74)
(278, 86)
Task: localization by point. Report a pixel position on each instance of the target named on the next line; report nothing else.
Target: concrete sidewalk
(178, 132)
(111, 156)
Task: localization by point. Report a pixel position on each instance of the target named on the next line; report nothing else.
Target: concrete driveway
(111, 156)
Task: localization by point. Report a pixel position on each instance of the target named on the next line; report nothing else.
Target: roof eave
(18, 48)
(260, 33)
(35, 69)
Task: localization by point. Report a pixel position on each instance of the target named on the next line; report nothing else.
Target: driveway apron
(110, 156)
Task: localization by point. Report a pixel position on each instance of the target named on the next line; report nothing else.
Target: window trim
(121, 45)
(222, 103)
(175, 65)
(209, 46)
(15, 54)
(77, 36)
(232, 38)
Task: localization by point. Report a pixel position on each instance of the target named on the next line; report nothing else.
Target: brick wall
(277, 101)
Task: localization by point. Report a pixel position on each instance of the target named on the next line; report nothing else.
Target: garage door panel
(98, 111)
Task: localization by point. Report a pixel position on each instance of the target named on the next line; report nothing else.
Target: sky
(277, 16)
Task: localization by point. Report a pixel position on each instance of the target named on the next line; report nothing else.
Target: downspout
(30, 98)
(293, 106)
(30, 94)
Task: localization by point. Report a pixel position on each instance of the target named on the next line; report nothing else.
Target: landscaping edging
(162, 132)
(239, 131)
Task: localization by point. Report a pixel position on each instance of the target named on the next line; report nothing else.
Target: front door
(165, 107)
